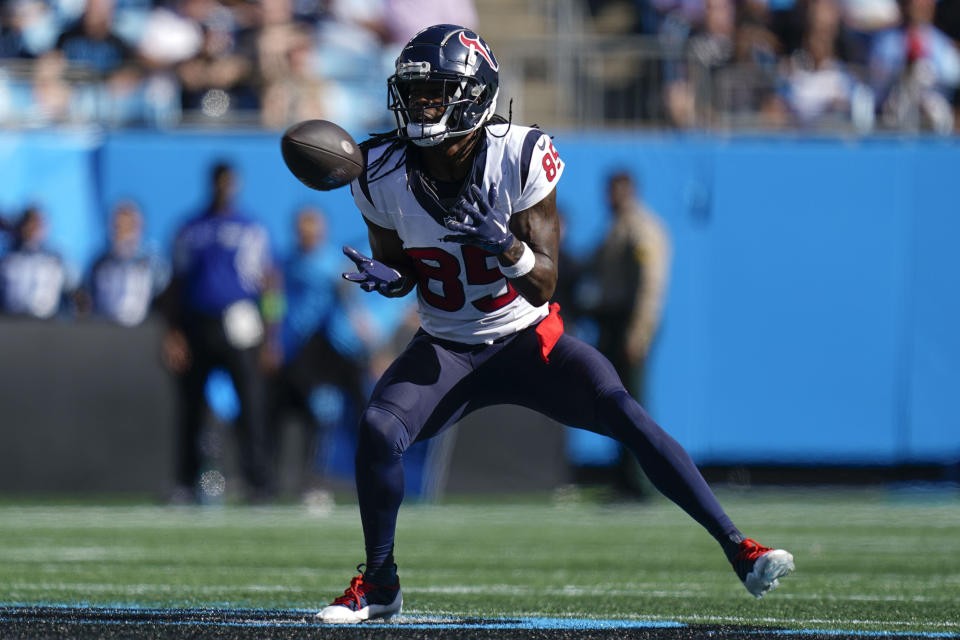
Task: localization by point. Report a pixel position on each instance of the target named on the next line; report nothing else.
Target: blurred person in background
(33, 278)
(125, 279)
(273, 37)
(624, 293)
(292, 89)
(915, 71)
(349, 57)
(630, 270)
(818, 88)
(321, 348)
(90, 42)
(403, 18)
(723, 64)
(169, 36)
(710, 44)
(219, 80)
(13, 41)
(112, 88)
(221, 262)
(51, 96)
(753, 88)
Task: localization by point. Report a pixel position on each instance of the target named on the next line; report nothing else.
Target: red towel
(549, 331)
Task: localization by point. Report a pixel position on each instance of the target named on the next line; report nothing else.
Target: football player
(461, 205)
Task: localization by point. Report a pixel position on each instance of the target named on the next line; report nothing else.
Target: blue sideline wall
(812, 313)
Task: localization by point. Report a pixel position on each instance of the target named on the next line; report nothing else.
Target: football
(321, 154)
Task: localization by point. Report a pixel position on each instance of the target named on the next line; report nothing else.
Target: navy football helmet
(446, 85)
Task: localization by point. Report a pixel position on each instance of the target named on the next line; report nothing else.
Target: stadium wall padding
(86, 408)
(812, 313)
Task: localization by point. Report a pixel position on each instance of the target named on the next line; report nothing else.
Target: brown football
(321, 154)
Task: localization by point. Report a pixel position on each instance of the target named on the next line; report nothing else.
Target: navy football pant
(434, 383)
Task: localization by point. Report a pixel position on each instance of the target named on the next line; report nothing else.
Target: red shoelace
(750, 550)
(354, 593)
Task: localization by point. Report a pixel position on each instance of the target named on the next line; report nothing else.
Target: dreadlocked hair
(377, 169)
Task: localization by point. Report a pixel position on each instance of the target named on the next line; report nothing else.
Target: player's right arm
(386, 247)
(390, 272)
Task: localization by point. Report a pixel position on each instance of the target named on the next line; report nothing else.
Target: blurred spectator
(721, 57)
(112, 89)
(915, 70)
(711, 47)
(756, 53)
(404, 18)
(124, 280)
(292, 90)
(28, 28)
(220, 265)
(355, 24)
(273, 38)
(169, 36)
(629, 280)
(33, 279)
(51, 95)
(616, 16)
(870, 16)
(12, 40)
(349, 58)
(324, 357)
(721, 63)
(219, 79)
(818, 86)
(90, 42)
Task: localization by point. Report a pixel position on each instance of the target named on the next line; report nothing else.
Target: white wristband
(523, 266)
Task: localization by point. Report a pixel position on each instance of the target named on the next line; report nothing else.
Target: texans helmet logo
(478, 46)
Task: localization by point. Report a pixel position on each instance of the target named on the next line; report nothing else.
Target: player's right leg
(191, 410)
(413, 399)
(251, 424)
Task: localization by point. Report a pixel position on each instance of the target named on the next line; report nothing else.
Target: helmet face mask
(446, 85)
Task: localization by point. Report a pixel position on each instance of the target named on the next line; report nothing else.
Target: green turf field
(866, 560)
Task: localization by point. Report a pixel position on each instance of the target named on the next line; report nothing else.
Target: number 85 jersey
(461, 293)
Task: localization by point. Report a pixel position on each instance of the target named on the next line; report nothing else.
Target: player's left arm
(539, 229)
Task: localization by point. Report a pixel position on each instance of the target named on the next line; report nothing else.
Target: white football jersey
(462, 294)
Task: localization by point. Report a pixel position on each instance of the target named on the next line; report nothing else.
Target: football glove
(373, 275)
(488, 230)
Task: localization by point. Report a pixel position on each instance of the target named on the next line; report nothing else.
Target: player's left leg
(420, 393)
(580, 387)
(674, 473)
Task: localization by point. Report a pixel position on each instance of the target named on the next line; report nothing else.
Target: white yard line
(496, 589)
(140, 589)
